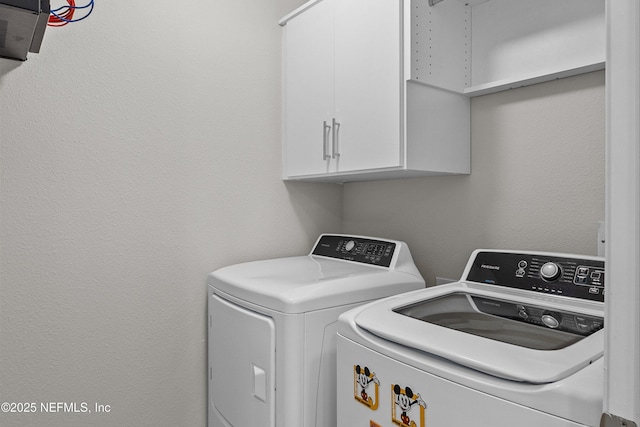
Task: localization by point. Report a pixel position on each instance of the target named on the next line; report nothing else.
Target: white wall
(138, 151)
(537, 182)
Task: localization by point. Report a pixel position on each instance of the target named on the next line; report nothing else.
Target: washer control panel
(358, 249)
(541, 272)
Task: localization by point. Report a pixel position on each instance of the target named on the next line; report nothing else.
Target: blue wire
(90, 4)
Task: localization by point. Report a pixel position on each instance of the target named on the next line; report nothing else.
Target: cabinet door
(308, 91)
(368, 83)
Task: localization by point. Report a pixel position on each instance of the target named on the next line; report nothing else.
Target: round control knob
(550, 271)
(349, 245)
(552, 320)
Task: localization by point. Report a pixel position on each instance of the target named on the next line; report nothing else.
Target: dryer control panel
(358, 249)
(541, 272)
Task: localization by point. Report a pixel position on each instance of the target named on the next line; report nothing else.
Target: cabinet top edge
(288, 17)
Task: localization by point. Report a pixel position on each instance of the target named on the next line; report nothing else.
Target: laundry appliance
(518, 341)
(272, 328)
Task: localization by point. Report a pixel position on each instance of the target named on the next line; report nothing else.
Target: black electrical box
(22, 27)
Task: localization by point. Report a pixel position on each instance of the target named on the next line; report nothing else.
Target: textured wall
(138, 151)
(537, 182)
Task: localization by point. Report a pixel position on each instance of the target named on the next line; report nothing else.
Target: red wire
(54, 21)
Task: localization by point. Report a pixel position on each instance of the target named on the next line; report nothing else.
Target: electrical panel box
(22, 27)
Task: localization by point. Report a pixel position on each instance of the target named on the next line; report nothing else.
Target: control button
(551, 320)
(520, 272)
(582, 279)
(583, 271)
(349, 245)
(522, 264)
(583, 327)
(550, 271)
(597, 325)
(596, 275)
(522, 312)
(582, 324)
(594, 290)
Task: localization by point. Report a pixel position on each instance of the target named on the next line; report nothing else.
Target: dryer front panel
(242, 366)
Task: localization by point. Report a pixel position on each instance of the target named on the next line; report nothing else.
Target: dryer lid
(447, 322)
(306, 283)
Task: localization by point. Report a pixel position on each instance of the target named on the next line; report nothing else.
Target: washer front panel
(375, 390)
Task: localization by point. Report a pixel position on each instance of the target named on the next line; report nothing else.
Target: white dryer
(518, 341)
(272, 328)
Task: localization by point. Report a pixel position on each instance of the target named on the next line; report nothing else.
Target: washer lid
(447, 321)
(306, 283)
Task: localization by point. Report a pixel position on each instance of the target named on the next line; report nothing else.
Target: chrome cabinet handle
(336, 133)
(325, 134)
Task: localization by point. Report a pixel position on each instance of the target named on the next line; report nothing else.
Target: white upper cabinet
(377, 89)
(367, 84)
(343, 90)
(309, 80)
(342, 87)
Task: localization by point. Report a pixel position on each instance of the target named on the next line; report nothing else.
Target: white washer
(518, 341)
(272, 328)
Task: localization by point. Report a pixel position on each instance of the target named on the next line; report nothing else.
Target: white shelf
(501, 85)
(481, 47)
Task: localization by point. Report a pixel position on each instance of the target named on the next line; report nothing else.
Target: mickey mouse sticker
(402, 407)
(362, 380)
